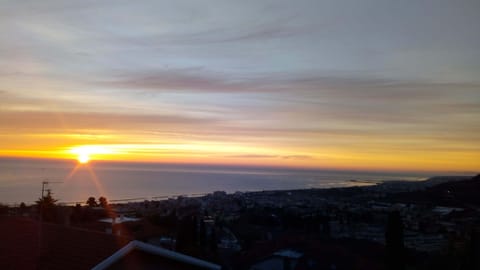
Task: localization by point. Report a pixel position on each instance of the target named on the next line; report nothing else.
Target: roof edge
(156, 251)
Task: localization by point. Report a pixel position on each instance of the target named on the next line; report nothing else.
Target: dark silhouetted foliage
(91, 202)
(202, 234)
(46, 207)
(102, 201)
(394, 242)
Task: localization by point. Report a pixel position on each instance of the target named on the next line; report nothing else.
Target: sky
(368, 85)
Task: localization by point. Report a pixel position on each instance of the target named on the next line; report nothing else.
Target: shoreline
(387, 186)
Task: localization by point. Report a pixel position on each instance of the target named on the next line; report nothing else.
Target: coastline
(386, 187)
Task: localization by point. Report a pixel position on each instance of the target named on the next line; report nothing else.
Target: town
(433, 224)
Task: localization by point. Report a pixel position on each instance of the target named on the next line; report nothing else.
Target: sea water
(21, 179)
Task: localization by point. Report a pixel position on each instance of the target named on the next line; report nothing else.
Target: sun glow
(83, 158)
(85, 153)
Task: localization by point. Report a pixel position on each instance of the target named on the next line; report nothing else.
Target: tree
(213, 240)
(91, 202)
(47, 200)
(3, 209)
(193, 228)
(103, 202)
(46, 206)
(186, 235)
(77, 214)
(203, 233)
(394, 242)
(23, 208)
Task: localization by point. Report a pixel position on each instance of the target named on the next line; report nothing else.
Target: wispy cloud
(306, 81)
(260, 156)
(57, 120)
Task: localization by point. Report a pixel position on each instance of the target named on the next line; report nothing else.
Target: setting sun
(85, 153)
(83, 158)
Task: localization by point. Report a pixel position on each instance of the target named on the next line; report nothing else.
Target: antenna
(45, 185)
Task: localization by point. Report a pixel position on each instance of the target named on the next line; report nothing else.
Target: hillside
(462, 193)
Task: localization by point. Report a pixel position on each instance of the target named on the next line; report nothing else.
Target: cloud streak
(313, 83)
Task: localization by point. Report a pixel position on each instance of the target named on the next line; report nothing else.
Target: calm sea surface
(21, 179)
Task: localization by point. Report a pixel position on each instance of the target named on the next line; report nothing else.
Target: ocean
(21, 180)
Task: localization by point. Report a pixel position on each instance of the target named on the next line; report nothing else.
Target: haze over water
(21, 179)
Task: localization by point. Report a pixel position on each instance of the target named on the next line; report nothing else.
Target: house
(140, 255)
(26, 244)
(118, 223)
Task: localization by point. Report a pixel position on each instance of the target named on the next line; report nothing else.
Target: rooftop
(57, 247)
(139, 255)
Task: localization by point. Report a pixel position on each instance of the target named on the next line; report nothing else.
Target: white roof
(137, 245)
(118, 220)
(289, 253)
(442, 210)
